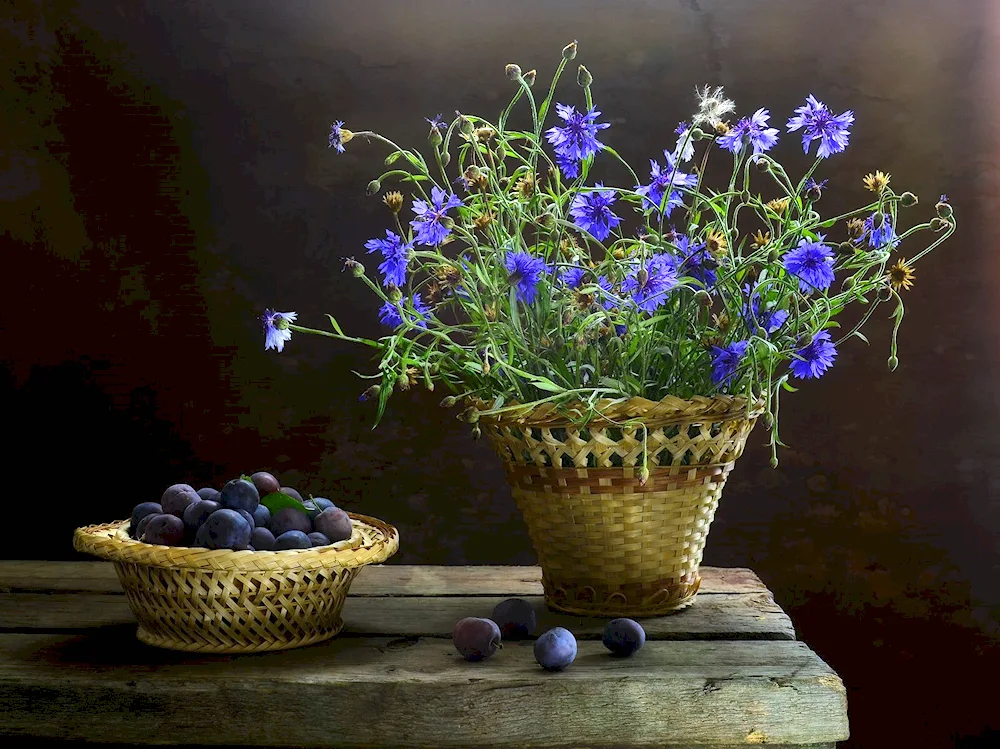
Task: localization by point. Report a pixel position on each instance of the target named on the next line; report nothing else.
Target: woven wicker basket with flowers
(618, 343)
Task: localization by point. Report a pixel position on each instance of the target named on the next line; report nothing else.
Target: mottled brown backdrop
(164, 176)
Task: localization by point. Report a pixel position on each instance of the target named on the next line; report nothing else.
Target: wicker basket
(608, 546)
(222, 601)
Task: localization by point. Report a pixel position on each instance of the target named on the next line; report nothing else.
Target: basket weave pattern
(222, 601)
(607, 545)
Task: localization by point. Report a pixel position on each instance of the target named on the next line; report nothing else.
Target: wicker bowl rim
(372, 542)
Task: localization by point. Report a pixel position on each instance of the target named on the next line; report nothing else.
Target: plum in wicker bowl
(222, 601)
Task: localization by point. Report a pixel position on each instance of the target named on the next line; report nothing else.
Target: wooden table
(726, 672)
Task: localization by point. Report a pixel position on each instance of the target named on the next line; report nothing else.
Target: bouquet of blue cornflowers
(519, 281)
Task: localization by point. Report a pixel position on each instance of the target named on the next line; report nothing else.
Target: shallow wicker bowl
(222, 601)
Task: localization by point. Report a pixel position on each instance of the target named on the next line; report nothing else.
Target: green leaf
(392, 157)
(546, 384)
(277, 500)
(336, 327)
(789, 388)
(861, 335)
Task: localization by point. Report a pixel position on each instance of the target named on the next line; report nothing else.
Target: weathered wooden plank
(713, 615)
(419, 693)
(376, 580)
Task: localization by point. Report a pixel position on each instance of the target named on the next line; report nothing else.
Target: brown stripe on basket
(613, 480)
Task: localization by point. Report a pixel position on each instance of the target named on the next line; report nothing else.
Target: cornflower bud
(465, 126)
(943, 209)
(393, 293)
(434, 137)
(370, 393)
(476, 432)
(878, 218)
(403, 381)
(642, 277)
(938, 224)
(814, 193)
(846, 248)
(471, 415)
(374, 186)
(569, 51)
(763, 166)
(849, 283)
(698, 134)
(583, 77)
(643, 475)
(908, 199)
(445, 158)
(893, 363)
(355, 267)
(745, 196)
(768, 420)
(448, 401)
(513, 71)
(703, 298)
(773, 255)
(884, 294)
(529, 77)
(774, 462)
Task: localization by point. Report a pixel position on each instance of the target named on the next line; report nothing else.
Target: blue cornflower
(812, 184)
(660, 178)
(682, 128)
(389, 314)
(429, 225)
(525, 272)
(812, 262)
(943, 198)
(661, 277)
(573, 277)
(276, 330)
(885, 234)
(726, 362)
(569, 167)
(818, 122)
(591, 211)
(435, 121)
(752, 130)
(768, 319)
(817, 357)
(696, 261)
(337, 136)
(608, 299)
(396, 253)
(578, 139)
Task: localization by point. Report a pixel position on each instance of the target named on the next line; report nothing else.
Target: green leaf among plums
(276, 500)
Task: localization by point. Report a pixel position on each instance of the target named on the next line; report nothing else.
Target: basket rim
(372, 542)
(668, 410)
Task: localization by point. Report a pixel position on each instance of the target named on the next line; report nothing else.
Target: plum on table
(476, 638)
(623, 636)
(555, 649)
(516, 618)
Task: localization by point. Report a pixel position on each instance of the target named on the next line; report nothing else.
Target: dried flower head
(723, 128)
(722, 321)
(433, 292)
(483, 134)
(713, 106)
(778, 205)
(490, 311)
(856, 228)
(483, 220)
(525, 186)
(901, 275)
(715, 242)
(448, 276)
(876, 182)
(394, 201)
(760, 239)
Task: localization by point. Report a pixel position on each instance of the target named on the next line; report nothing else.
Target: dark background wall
(164, 176)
